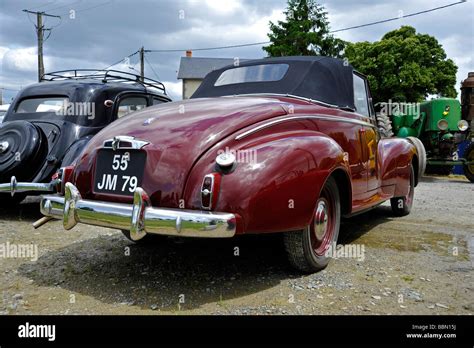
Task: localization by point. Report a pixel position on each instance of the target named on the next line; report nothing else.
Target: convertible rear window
(253, 73)
(47, 104)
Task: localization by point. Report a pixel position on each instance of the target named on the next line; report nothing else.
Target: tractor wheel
(469, 155)
(385, 125)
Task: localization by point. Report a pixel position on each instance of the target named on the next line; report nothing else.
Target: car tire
(469, 155)
(148, 239)
(401, 206)
(384, 125)
(306, 249)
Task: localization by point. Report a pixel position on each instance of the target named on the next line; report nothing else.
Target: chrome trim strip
(302, 117)
(14, 186)
(290, 96)
(137, 217)
(114, 143)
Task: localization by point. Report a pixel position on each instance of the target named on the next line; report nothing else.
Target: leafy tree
(304, 32)
(404, 66)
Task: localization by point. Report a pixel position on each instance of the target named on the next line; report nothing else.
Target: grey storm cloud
(105, 31)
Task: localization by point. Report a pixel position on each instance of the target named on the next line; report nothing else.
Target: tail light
(64, 175)
(210, 190)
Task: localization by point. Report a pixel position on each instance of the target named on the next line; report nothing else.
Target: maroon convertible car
(287, 145)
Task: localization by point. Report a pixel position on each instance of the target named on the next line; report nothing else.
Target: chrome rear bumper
(139, 218)
(14, 186)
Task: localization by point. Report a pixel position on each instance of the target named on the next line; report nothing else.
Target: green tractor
(441, 125)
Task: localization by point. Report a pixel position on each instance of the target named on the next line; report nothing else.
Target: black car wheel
(307, 249)
(401, 206)
(469, 155)
(23, 147)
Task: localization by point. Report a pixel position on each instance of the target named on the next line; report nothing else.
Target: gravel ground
(418, 264)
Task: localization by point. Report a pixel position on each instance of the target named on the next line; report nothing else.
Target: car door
(369, 136)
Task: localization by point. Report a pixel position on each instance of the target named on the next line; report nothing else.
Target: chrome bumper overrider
(139, 218)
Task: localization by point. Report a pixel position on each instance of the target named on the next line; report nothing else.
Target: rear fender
(397, 155)
(278, 188)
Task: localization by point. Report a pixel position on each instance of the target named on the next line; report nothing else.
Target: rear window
(131, 104)
(48, 104)
(255, 73)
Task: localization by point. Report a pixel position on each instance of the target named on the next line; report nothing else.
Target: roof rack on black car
(103, 75)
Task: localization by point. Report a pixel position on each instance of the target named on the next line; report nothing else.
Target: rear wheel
(307, 249)
(469, 155)
(401, 206)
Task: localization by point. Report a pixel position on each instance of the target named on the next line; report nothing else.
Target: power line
(87, 8)
(211, 48)
(62, 6)
(151, 66)
(48, 3)
(399, 17)
(333, 31)
(121, 60)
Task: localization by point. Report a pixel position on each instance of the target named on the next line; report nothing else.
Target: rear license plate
(119, 172)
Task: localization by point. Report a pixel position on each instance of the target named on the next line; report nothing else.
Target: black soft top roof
(325, 79)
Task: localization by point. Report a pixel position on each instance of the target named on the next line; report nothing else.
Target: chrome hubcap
(321, 220)
(4, 146)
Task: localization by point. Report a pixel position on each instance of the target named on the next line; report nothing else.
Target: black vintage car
(49, 123)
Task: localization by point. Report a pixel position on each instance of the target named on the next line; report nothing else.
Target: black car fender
(74, 151)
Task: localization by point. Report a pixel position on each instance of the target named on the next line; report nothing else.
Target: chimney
(189, 53)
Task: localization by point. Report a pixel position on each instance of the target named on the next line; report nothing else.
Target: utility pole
(40, 37)
(142, 63)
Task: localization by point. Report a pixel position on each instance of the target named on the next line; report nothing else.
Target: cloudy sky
(105, 31)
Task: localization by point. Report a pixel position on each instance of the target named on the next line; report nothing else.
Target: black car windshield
(255, 73)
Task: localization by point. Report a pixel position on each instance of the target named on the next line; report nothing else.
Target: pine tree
(304, 32)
